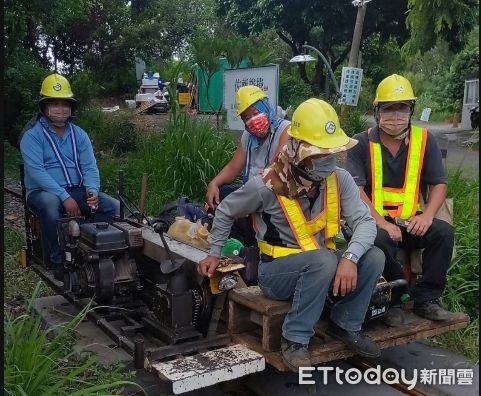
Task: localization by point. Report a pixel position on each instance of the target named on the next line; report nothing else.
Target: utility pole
(356, 40)
(356, 37)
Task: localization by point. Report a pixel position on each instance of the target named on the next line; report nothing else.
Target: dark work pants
(242, 229)
(438, 245)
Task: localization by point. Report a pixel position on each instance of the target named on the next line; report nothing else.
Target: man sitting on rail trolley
(61, 174)
(297, 203)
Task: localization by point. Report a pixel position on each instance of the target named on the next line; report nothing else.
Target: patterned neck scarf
(283, 177)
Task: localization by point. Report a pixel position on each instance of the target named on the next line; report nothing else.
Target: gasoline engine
(105, 262)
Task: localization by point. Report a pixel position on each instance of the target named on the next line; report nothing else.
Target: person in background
(265, 134)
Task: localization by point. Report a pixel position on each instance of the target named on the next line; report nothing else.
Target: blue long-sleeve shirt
(43, 170)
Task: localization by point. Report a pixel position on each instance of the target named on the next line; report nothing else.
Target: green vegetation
(18, 282)
(111, 133)
(353, 121)
(95, 44)
(181, 162)
(11, 161)
(462, 289)
(40, 362)
(37, 361)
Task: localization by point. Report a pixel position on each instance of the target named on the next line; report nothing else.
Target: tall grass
(40, 362)
(462, 289)
(181, 162)
(18, 282)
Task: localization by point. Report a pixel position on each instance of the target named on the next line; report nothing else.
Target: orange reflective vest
(402, 202)
(305, 231)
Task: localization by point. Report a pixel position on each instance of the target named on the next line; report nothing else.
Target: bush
(463, 275)
(84, 88)
(117, 81)
(180, 163)
(366, 97)
(352, 120)
(462, 287)
(39, 362)
(293, 91)
(23, 78)
(111, 133)
(440, 111)
(464, 64)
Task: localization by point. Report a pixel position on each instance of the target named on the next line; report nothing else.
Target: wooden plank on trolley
(324, 349)
(253, 298)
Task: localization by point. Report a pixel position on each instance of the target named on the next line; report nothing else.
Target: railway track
(14, 192)
(245, 386)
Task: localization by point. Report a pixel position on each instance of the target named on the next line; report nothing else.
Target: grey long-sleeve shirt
(272, 226)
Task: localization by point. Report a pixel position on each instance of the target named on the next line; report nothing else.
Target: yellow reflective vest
(399, 202)
(305, 231)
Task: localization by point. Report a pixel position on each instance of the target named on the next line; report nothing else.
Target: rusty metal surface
(205, 369)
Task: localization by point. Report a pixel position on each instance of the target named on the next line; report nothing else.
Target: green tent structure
(209, 100)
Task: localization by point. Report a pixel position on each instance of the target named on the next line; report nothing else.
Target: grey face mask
(317, 169)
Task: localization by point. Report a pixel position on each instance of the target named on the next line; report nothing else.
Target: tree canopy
(326, 25)
(429, 20)
(100, 34)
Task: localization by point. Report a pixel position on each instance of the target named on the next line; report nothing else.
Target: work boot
(295, 355)
(432, 310)
(355, 340)
(394, 317)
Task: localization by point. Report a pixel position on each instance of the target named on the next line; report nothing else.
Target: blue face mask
(318, 169)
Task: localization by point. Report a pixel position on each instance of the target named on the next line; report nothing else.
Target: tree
(380, 58)
(450, 20)
(326, 25)
(207, 49)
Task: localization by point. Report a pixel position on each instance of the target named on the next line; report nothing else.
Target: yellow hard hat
(394, 88)
(316, 122)
(56, 86)
(246, 96)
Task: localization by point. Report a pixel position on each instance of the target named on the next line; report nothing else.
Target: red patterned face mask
(258, 125)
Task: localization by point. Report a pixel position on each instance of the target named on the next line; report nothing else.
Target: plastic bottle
(179, 228)
(192, 233)
(202, 232)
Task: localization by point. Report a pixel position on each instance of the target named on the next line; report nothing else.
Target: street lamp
(306, 58)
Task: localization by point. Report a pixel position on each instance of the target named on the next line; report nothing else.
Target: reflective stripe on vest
(404, 199)
(328, 220)
(60, 159)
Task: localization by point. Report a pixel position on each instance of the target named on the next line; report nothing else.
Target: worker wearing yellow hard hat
(61, 175)
(296, 204)
(391, 164)
(264, 135)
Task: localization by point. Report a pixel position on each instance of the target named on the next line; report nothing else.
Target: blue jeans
(306, 278)
(49, 208)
